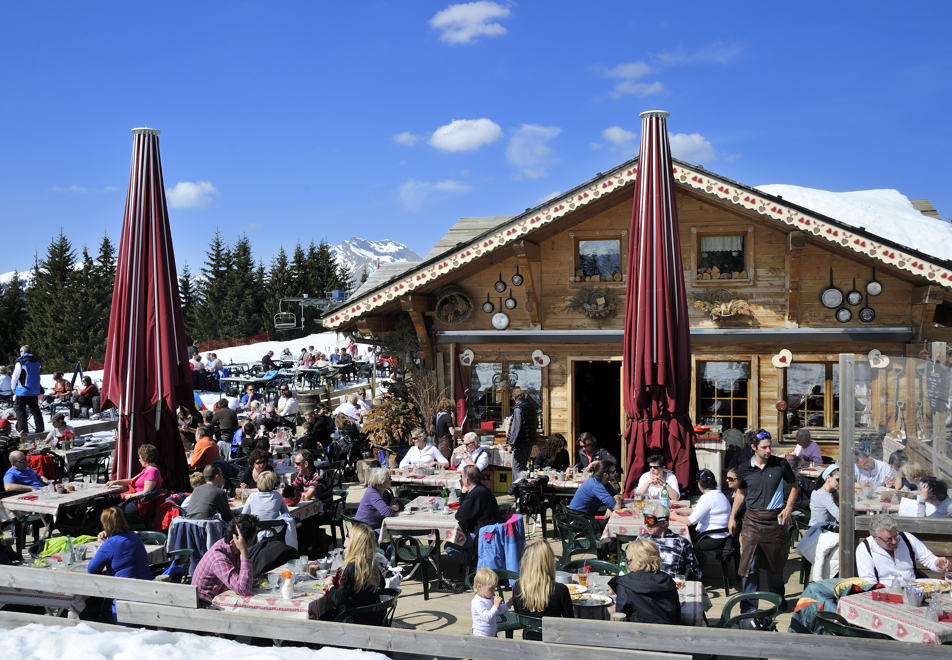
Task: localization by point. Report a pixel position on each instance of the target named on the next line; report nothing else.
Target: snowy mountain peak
(357, 253)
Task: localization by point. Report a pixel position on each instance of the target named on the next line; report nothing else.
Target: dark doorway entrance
(598, 403)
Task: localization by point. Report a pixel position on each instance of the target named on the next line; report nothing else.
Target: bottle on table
(665, 498)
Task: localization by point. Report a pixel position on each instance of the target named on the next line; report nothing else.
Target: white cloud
(406, 138)
(82, 191)
(529, 149)
(187, 194)
(595, 146)
(465, 134)
(629, 70)
(693, 147)
(465, 23)
(619, 137)
(730, 158)
(552, 195)
(414, 193)
(638, 89)
(719, 52)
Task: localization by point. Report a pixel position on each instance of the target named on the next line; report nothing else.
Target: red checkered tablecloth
(500, 456)
(445, 480)
(299, 511)
(308, 602)
(898, 620)
(633, 524)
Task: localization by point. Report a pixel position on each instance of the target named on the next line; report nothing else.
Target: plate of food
(932, 585)
(576, 589)
(40, 563)
(591, 600)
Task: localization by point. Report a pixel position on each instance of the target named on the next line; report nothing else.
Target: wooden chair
(365, 614)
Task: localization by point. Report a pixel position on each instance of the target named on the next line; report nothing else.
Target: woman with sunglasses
(553, 454)
(888, 554)
(824, 505)
(732, 483)
(257, 465)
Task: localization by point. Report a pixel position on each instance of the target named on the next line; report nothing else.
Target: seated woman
(122, 553)
(934, 491)
(84, 398)
(652, 481)
(536, 593)
(712, 511)
(888, 554)
(257, 465)
(358, 583)
(62, 390)
(646, 594)
(377, 502)
(824, 501)
(553, 454)
(266, 503)
(188, 422)
(146, 481)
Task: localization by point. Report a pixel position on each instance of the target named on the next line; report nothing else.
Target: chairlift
(285, 320)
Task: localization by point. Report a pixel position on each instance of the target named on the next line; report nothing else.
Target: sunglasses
(654, 467)
(266, 462)
(299, 462)
(651, 521)
(732, 478)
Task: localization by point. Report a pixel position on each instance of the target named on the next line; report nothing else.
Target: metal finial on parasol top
(655, 113)
(146, 131)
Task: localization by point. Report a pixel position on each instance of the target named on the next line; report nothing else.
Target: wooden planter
(453, 306)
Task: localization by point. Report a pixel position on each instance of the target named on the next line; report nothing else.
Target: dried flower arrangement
(721, 305)
(595, 302)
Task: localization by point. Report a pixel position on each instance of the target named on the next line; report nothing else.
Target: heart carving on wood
(466, 358)
(539, 358)
(782, 359)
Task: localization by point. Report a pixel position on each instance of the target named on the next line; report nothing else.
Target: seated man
(888, 554)
(269, 421)
(350, 407)
(206, 449)
(226, 565)
(60, 431)
(589, 451)
(677, 554)
(209, 498)
(653, 481)
(596, 491)
(470, 453)
(250, 395)
(477, 508)
(872, 471)
(421, 453)
(312, 482)
(20, 478)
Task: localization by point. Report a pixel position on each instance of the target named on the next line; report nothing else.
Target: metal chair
(408, 548)
(831, 623)
(96, 466)
(719, 554)
(600, 567)
(769, 613)
(365, 614)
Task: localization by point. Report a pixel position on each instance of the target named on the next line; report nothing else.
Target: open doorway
(597, 403)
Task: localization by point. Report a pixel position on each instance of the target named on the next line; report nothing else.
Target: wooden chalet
(755, 264)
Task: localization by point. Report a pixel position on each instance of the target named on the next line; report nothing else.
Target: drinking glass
(273, 579)
(583, 579)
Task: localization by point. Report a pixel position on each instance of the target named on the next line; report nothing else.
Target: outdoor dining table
(257, 381)
(43, 503)
(448, 479)
(443, 524)
(499, 456)
(898, 620)
(299, 511)
(309, 601)
(629, 523)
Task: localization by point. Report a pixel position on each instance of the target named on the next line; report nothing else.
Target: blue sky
(296, 121)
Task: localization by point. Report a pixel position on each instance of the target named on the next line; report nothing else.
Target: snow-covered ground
(36, 642)
(885, 213)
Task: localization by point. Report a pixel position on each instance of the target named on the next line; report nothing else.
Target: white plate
(576, 589)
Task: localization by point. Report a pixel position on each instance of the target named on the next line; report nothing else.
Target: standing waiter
(764, 537)
(522, 429)
(26, 376)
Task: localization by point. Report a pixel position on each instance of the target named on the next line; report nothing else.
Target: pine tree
(241, 294)
(12, 319)
(211, 290)
(102, 281)
(279, 284)
(188, 298)
(364, 275)
(48, 324)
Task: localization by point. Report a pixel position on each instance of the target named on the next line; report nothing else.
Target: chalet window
(490, 392)
(723, 394)
(813, 396)
(722, 258)
(599, 260)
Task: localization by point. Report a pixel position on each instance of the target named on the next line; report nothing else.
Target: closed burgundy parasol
(146, 373)
(657, 343)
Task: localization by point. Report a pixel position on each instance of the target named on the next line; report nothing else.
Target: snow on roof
(887, 214)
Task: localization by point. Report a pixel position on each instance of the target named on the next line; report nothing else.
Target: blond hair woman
(358, 583)
(267, 503)
(536, 593)
(646, 594)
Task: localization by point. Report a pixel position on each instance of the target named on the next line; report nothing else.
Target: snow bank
(886, 213)
(36, 642)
